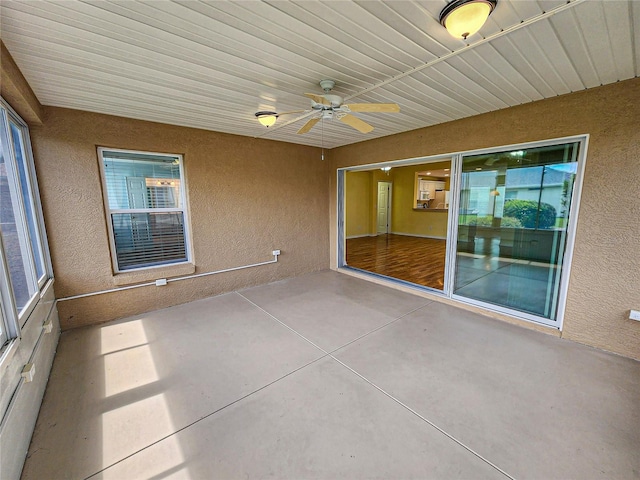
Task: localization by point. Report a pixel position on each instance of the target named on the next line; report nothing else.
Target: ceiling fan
(329, 106)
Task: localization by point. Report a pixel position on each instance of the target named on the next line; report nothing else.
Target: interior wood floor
(412, 259)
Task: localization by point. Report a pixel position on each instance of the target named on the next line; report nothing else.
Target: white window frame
(11, 320)
(109, 211)
(34, 198)
(8, 313)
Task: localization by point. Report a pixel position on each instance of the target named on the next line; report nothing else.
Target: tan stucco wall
(605, 274)
(16, 91)
(246, 198)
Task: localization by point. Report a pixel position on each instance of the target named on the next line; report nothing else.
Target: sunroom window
(146, 208)
(24, 264)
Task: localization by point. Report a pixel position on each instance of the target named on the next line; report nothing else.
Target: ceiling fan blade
(318, 98)
(309, 125)
(356, 123)
(374, 107)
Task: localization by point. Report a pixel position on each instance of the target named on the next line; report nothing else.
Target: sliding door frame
(452, 232)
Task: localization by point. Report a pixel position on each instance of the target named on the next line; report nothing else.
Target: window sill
(140, 276)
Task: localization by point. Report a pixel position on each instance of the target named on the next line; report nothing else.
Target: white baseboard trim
(361, 236)
(420, 236)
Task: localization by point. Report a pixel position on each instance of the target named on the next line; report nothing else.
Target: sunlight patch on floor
(121, 336)
(129, 365)
(128, 369)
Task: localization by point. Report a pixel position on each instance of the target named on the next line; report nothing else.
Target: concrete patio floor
(327, 376)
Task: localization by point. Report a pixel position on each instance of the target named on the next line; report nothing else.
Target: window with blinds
(146, 208)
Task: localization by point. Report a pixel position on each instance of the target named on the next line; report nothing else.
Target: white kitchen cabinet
(430, 187)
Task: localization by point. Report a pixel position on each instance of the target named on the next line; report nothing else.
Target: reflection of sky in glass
(571, 167)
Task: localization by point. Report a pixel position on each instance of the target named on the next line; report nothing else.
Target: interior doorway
(384, 207)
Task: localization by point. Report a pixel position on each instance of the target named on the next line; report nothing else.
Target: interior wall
(246, 197)
(604, 282)
(361, 198)
(358, 204)
(407, 220)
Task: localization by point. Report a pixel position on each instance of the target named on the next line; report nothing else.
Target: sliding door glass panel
(512, 227)
(396, 221)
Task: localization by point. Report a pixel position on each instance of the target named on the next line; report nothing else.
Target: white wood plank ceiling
(213, 64)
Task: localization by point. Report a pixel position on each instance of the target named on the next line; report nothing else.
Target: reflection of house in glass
(485, 192)
(545, 184)
(512, 227)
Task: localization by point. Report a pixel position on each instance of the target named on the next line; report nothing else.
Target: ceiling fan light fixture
(267, 118)
(462, 18)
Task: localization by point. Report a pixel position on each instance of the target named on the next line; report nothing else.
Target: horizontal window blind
(148, 239)
(144, 196)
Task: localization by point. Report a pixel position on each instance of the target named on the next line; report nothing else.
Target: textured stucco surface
(246, 198)
(16, 91)
(605, 273)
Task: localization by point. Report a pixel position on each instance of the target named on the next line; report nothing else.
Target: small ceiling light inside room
(462, 18)
(267, 118)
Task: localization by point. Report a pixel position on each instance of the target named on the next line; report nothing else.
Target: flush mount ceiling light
(462, 18)
(267, 118)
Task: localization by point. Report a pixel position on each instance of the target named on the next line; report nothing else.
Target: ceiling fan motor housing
(335, 100)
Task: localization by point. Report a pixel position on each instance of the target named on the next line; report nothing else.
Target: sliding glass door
(491, 228)
(513, 215)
